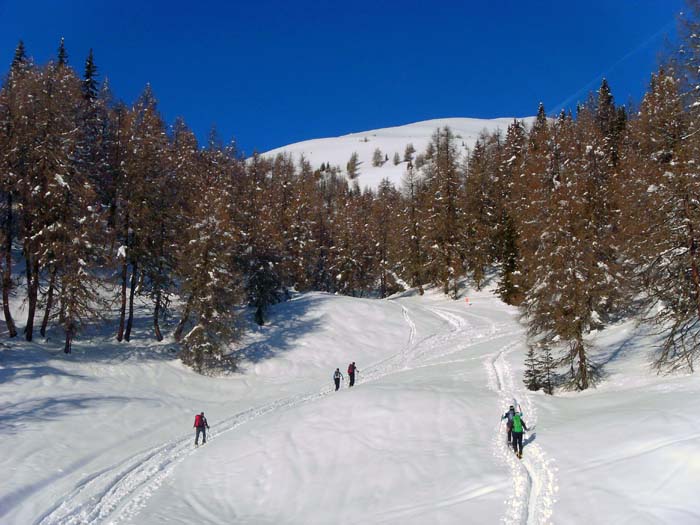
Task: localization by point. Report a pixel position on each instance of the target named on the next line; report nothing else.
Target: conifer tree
(546, 366)
(62, 57)
(412, 232)
(444, 260)
(210, 278)
(511, 285)
(353, 166)
(408, 153)
(14, 150)
(377, 158)
(532, 377)
(662, 225)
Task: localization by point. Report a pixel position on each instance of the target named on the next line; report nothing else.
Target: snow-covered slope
(337, 150)
(104, 437)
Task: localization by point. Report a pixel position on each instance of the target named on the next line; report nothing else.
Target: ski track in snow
(117, 493)
(534, 480)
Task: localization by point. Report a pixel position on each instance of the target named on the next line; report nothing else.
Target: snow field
(104, 437)
(337, 150)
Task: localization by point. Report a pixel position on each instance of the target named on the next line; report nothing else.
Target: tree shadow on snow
(638, 341)
(22, 416)
(29, 362)
(288, 322)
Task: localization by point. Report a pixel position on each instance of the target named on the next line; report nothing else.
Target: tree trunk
(259, 318)
(159, 284)
(122, 308)
(132, 291)
(62, 305)
(49, 303)
(7, 274)
(582, 364)
(183, 320)
(69, 339)
(156, 314)
(693, 245)
(32, 294)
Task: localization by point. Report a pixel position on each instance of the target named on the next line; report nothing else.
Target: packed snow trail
(117, 493)
(534, 480)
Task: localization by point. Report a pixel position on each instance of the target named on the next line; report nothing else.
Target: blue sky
(274, 72)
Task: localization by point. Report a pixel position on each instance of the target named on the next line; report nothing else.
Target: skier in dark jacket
(509, 424)
(518, 426)
(337, 376)
(200, 423)
(351, 373)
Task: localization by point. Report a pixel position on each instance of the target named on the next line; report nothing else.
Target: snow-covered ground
(337, 150)
(104, 436)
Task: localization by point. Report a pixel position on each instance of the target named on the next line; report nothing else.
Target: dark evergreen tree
(533, 375)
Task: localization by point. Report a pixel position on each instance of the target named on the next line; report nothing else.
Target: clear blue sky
(274, 72)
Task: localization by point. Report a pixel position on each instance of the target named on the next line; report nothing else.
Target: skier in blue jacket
(509, 424)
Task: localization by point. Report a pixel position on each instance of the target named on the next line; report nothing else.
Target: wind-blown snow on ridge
(337, 150)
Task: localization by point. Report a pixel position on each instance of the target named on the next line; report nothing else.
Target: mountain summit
(390, 142)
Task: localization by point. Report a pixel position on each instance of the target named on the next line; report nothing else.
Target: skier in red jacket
(351, 372)
(200, 423)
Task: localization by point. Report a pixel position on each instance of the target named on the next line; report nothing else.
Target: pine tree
(533, 375)
(444, 260)
(385, 213)
(412, 232)
(546, 366)
(408, 153)
(570, 292)
(14, 150)
(377, 158)
(353, 166)
(511, 286)
(662, 222)
(397, 159)
(62, 54)
(480, 212)
(90, 85)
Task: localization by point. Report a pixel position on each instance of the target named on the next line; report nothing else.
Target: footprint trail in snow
(534, 480)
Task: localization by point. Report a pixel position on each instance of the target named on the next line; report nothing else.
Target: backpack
(351, 369)
(517, 423)
(198, 421)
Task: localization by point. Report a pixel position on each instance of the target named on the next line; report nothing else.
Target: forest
(583, 218)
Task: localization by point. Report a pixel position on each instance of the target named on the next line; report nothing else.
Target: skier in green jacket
(517, 432)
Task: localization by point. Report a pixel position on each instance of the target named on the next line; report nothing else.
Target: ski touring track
(117, 493)
(534, 480)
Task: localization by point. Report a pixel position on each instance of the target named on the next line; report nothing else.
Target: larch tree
(14, 104)
(664, 220)
(412, 231)
(444, 260)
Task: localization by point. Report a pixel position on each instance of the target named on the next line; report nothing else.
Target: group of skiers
(338, 376)
(201, 425)
(515, 425)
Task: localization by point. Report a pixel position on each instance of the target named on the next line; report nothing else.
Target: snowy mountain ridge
(392, 140)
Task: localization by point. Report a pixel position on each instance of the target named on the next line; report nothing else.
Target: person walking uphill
(509, 424)
(518, 426)
(337, 376)
(352, 369)
(200, 423)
